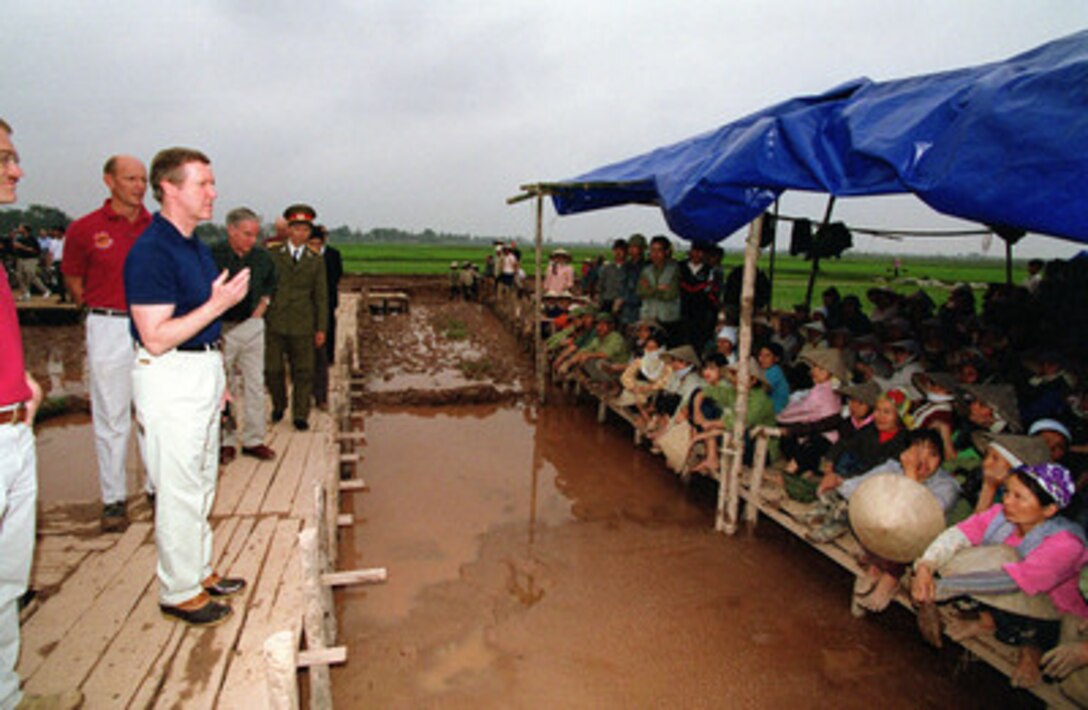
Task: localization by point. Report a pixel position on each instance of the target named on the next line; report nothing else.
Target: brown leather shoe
(226, 455)
(223, 586)
(198, 611)
(260, 451)
(114, 517)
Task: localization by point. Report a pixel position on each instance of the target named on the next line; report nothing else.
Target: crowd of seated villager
(961, 426)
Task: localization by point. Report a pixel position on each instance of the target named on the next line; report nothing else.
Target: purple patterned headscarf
(1054, 478)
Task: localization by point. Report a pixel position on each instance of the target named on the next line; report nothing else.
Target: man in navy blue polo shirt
(176, 296)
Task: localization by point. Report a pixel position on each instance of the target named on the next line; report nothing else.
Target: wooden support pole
(324, 657)
(755, 484)
(281, 670)
(353, 484)
(326, 537)
(374, 575)
(314, 612)
(345, 520)
(816, 257)
(729, 488)
(538, 300)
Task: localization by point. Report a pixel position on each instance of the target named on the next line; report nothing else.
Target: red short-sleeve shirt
(13, 387)
(95, 248)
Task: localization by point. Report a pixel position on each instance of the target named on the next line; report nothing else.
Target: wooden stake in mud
(538, 337)
(729, 487)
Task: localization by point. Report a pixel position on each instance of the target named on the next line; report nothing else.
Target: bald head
(126, 178)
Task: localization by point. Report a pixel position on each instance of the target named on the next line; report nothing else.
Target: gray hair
(241, 214)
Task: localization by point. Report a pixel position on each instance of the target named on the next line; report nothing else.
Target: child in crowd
(937, 411)
(810, 421)
(1046, 556)
(708, 405)
(769, 357)
(859, 449)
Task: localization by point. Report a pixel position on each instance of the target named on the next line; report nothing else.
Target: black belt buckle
(108, 312)
(200, 347)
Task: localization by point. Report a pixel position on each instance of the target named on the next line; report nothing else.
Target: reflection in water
(469, 470)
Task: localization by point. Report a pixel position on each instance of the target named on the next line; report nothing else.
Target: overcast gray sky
(415, 114)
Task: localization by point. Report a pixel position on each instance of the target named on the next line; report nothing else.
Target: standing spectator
(297, 320)
(20, 396)
(610, 282)
(54, 260)
(243, 330)
(698, 298)
(28, 257)
(325, 355)
(176, 299)
(659, 288)
(94, 258)
(559, 276)
(632, 272)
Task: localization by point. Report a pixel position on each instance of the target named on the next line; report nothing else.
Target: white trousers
(177, 406)
(18, 497)
(109, 364)
(243, 352)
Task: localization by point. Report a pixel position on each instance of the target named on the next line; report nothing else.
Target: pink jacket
(821, 402)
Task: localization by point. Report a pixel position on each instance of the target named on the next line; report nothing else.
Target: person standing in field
(297, 321)
(243, 330)
(94, 257)
(176, 296)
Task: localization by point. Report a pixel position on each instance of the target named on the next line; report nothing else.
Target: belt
(13, 414)
(108, 312)
(200, 347)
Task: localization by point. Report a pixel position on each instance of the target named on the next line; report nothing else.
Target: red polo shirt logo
(103, 240)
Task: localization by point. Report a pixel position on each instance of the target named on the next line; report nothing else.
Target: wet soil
(442, 352)
(538, 559)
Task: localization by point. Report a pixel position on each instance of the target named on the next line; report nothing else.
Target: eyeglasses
(8, 158)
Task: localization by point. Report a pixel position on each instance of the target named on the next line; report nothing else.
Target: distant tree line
(35, 216)
(39, 216)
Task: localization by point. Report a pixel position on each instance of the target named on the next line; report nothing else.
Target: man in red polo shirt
(19, 400)
(94, 255)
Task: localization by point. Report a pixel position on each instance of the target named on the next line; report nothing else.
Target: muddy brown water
(539, 560)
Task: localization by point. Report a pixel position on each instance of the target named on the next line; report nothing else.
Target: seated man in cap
(297, 320)
(584, 333)
(606, 355)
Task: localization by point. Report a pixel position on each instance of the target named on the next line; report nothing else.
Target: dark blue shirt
(165, 267)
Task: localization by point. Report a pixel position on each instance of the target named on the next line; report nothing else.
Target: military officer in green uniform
(297, 320)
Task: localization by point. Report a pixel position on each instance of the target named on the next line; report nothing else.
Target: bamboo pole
(538, 337)
(1008, 262)
(816, 255)
(281, 670)
(313, 621)
(729, 487)
(774, 251)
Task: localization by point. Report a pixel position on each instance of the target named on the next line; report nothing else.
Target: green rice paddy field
(851, 274)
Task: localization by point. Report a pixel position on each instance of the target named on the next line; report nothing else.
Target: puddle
(67, 467)
(538, 559)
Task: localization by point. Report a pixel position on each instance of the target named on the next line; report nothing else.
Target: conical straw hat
(895, 517)
(986, 558)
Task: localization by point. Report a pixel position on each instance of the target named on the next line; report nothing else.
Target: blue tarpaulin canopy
(1004, 144)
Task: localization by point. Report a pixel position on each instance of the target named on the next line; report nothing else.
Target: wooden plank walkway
(102, 631)
(97, 626)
